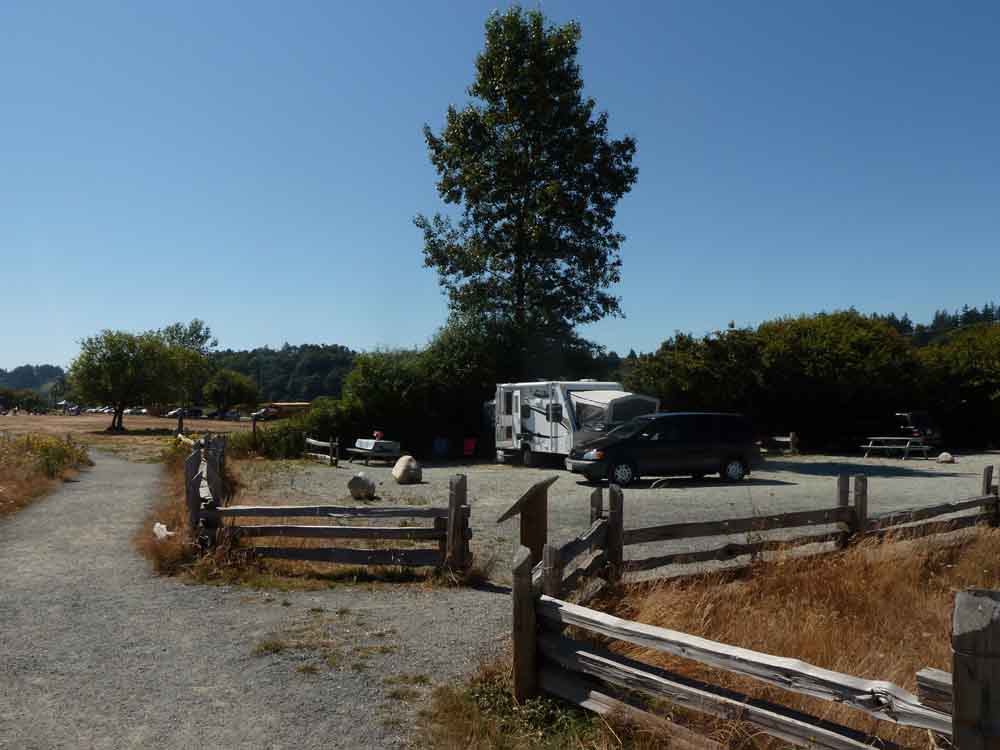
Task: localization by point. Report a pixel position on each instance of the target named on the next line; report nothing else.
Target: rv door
(516, 419)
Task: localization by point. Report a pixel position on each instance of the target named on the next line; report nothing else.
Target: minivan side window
(735, 430)
(508, 402)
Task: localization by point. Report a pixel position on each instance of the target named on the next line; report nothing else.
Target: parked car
(672, 443)
(227, 415)
(190, 411)
(266, 413)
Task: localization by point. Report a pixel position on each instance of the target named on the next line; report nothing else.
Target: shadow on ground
(849, 466)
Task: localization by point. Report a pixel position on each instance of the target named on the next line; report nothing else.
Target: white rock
(361, 487)
(161, 532)
(946, 458)
(407, 471)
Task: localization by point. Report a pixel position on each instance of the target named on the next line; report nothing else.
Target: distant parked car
(665, 444)
(190, 411)
(264, 414)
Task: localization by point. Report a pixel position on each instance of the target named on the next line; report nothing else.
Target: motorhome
(553, 417)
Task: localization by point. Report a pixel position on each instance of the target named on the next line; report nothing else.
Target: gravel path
(97, 652)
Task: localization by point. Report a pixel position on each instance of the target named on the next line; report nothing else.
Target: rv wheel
(527, 459)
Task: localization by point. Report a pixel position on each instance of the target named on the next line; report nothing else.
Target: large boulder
(946, 458)
(361, 487)
(407, 471)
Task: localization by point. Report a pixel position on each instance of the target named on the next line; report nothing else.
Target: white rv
(555, 416)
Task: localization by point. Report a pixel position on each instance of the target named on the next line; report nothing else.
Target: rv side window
(508, 402)
(554, 413)
(525, 411)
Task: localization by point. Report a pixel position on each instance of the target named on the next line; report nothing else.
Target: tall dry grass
(879, 611)
(31, 465)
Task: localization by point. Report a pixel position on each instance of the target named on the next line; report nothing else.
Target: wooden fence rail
(209, 514)
(331, 455)
(546, 660)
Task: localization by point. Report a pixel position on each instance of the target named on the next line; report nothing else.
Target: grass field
(144, 438)
(31, 465)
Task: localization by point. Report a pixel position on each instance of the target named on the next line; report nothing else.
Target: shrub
(30, 463)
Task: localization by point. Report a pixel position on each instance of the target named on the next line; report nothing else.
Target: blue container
(441, 447)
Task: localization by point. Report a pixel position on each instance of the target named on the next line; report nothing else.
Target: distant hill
(292, 373)
(30, 377)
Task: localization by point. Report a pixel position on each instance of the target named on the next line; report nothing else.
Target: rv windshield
(629, 429)
(591, 417)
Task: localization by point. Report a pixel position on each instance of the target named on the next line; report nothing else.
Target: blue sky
(258, 165)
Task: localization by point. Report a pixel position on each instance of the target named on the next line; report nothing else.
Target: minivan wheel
(527, 459)
(622, 474)
(734, 470)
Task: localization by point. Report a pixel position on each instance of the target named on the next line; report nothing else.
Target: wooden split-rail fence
(212, 519)
(963, 708)
(328, 451)
(547, 660)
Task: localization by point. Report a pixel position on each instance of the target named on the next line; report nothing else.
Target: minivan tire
(622, 474)
(733, 470)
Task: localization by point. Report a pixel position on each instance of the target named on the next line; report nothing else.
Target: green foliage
(228, 388)
(121, 369)
(25, 400)
(824, 376)
(537, 179)
(292, 373)
(29, 377)
(196, 336)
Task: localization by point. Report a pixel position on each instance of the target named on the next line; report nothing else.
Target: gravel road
(97, 652)
(784, 484)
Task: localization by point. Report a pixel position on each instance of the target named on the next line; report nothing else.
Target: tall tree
(537, 179)
(120, 368)
(196, 336)
(228, 388)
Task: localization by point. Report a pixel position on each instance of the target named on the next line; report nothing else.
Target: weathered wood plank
(777, 721)
(615, 544)
(592, 537)
(902, 533)
(317, 443)
(934, 689)
(334, 511)
(975, 669)
(727, 552)
(736, 525)
(458, 488)
(588, 568)
(533, 491)
(552, 571)
(407, 557)
(919, 514)
(523, 629)
(592, 696)
(342, 532)
(883, 700)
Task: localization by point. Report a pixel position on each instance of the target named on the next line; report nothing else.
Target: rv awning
(598, 398)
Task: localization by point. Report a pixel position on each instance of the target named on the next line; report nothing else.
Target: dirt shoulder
(98, 652)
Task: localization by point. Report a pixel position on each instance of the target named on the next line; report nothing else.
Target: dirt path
(97, 652)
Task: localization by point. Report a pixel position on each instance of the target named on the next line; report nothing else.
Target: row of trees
(831, 377)
(291, 373)
(168, 366)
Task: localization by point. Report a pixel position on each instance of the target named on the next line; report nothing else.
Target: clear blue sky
(258, 165)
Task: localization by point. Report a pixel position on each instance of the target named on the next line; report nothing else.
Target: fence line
(332, 455)
(546, 660)
(206, 500)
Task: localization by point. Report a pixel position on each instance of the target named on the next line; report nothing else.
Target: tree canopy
(228, 388)
(537, 179)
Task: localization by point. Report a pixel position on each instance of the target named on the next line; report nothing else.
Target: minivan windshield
(630, 428)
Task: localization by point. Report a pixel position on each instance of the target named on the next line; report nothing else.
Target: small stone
(361, 487)
(946, 458)
(407, 471)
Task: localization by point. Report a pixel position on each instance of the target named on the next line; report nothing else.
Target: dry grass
(875, 611)
(178, 552)
(482, 715)
(32, 465)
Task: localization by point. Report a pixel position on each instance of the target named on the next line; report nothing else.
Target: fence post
(253, 426)
(457, 493)
(191, 492)
(330, 448)
(441, 524)
(860, 505)
(844, 501)
(596, 509)
(616, 532)
(335, 450)
(552, 571)
(523, 628)
(535, 524)
(975, 643)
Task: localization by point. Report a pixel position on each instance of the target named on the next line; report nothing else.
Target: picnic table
(892, 443)
(383, 450)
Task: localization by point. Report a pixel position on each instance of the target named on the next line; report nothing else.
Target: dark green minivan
(669, 444)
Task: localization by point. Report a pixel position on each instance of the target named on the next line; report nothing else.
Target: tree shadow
(849, 466)
(676, 483)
